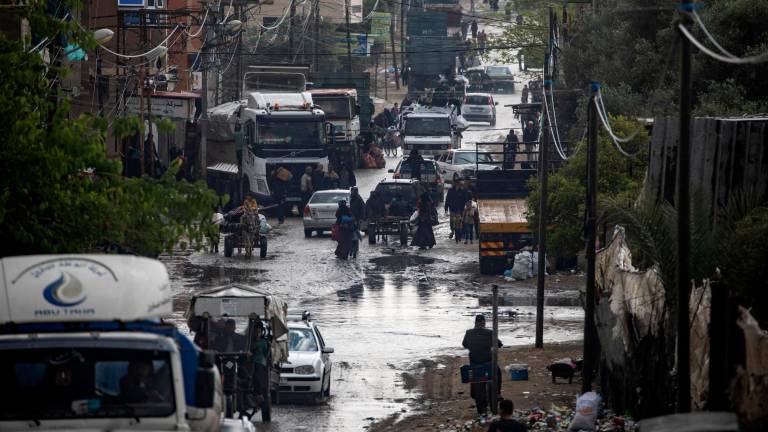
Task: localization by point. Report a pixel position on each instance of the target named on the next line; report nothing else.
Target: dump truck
(501, 201)
(345, 99)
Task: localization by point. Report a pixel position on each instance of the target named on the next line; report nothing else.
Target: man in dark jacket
(279, 189)
(455, 200)
(375, 208)
(318, 178)
(356, 205)
(478, 341)
(415, 161)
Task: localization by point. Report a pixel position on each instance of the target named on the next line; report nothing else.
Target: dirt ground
(445, 402)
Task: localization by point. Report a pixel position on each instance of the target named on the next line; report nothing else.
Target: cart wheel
(229, 247)
(263, 247)
(372, 233)
(266, 408)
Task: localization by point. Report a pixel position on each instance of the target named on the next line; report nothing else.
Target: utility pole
(316, 46)
(291, 31)
(349, 38)
(402, 35)
(590, 332)
(683, 221)
(204, 101)
(495, 350)
(141, 120)
(542, 231)
(239, 53)
(394, 51)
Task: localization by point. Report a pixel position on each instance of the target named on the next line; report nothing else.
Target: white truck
(82, 348)
(431, 130)
(279, 127)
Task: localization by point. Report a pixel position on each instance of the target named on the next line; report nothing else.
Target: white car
(320, 211)
(460, 164)
(479, 107)
(308, 369)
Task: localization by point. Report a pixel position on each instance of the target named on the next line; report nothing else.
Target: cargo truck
(277, 126)
(501, 201)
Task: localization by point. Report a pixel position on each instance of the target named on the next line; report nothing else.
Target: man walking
(306, 187)
(478, 341)
(455, 200)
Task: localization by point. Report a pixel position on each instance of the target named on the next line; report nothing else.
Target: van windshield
(69, 383)
(427, 126)
(335, 107)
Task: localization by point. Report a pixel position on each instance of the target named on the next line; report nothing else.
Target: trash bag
(587, 407)
(523, 267)
(264, 227)
(414, 217)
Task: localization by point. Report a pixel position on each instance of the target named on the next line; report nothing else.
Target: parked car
(430, 176)
(479, 107)
(308, 369)
(320, 211)
(460, 164)
(501, 78)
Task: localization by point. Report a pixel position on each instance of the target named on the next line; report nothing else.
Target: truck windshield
(498, 71)
(69, 383)
(335, 108)
(427, 126)
(289, 135)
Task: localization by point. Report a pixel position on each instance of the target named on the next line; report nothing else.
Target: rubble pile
(558, 419)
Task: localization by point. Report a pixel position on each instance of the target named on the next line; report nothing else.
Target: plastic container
(475, 373)
(518, 372)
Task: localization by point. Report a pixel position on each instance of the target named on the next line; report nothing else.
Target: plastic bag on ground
(587, 407)
(264, 227)
(523, 267)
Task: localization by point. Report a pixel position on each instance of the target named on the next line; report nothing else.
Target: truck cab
(431, 131)
(82, 347)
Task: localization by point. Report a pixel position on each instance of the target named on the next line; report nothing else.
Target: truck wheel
(372, 233)
(403, 233)
(263, 247)
(307, 233)
(229, 247)
(266, 408)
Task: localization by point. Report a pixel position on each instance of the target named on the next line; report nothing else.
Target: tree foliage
(59, 191)
(619, 177)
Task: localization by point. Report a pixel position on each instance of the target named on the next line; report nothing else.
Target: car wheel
(320, 396)
(229, 246)
(307, 233)
(263, 247)
(328, 389)
(493, 121)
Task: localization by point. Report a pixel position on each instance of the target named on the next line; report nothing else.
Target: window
(301, 340)
(477, 100)
(290, 135)
(335, 108)
(319, 336)
(498, 71)
(155, 4)
(469, 158)
(57, 383)
(427, 126)
(328, 198)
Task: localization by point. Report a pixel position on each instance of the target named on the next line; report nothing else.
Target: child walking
(468, 220)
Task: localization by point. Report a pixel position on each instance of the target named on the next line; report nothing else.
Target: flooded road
(382, 313)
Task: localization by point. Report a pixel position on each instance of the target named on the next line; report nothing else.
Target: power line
(760, 58)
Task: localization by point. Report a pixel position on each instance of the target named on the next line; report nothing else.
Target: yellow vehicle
(501, 201)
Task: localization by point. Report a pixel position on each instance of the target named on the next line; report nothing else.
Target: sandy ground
(446, 402)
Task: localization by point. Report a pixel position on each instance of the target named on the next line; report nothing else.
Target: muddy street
(383, 313)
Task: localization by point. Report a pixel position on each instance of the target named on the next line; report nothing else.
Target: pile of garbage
(586, 417)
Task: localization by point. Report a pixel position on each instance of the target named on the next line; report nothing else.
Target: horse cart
(244, 231)
(388, 226)
(247, 330)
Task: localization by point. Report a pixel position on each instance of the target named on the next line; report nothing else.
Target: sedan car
(460, 164)
(320, 211)
(479, 107)
(501, 78)
(308, 369)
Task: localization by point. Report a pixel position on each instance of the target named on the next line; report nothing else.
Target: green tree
(619, 177)
(59, 191)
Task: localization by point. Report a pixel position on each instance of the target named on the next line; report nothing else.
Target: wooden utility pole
(394, 51)
(349, 38)
(316, 45)
(683, 222)
(590, 332)
(291, 30)
(495, 351)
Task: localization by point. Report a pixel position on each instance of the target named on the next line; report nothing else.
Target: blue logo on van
(66, 291)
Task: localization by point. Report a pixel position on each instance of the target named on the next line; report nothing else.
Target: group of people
(461, 205)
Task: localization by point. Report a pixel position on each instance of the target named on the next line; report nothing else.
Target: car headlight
(304, 370)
